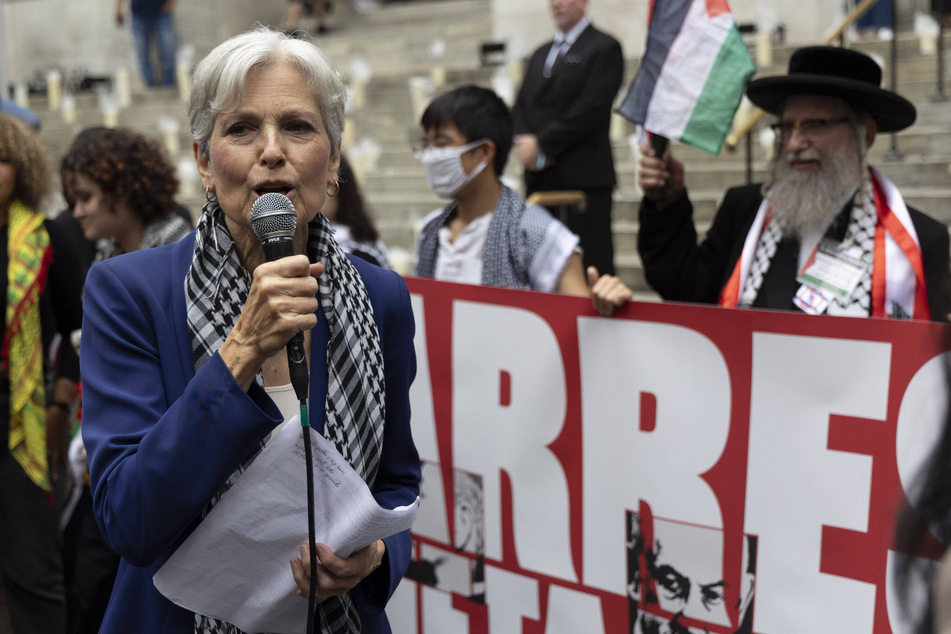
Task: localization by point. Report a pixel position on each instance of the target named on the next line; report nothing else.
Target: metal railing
(939, 95)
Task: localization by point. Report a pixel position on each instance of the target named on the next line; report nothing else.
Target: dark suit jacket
(681, 270)
(570, 112)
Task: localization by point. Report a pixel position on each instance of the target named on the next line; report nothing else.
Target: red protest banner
(673, 468)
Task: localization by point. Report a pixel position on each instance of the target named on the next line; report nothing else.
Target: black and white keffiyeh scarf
(861, 231)
(507, 241)
(216, 288)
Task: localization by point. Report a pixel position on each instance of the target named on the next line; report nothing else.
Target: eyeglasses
(808, 129)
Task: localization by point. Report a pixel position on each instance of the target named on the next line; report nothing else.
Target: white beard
(805, 202)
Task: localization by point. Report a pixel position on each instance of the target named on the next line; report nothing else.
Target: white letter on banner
(570, 612)
(401, 609)
(795, 484)
(439, 615)
(509, 597)
(490, 436)
(921, 419)
(431, 520)
(687, 375)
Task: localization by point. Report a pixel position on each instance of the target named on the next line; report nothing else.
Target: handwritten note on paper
(235, 565)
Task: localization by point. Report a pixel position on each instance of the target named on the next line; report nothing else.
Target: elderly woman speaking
(183, 362)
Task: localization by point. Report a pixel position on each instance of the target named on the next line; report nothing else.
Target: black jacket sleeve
(64, 285)
(934, 243)
(676, 266)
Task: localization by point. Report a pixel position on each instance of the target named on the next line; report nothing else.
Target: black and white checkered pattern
(338, 615)
(216, 289)
(862, 222)
(515, 235)
(861, 230)
(209, 625)
(762, 257)
(216, 286)
(355, 388)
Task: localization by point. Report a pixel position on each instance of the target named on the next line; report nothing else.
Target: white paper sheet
(235, 566)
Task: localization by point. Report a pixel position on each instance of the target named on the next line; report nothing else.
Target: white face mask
(444, 170)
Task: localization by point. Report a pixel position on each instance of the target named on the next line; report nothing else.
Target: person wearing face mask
(488, 234)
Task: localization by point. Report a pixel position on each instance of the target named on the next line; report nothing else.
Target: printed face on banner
(643, 474)
(675, 578)
(468, 512)
(461, 570)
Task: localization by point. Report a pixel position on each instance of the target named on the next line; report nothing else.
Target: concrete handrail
(554, 198)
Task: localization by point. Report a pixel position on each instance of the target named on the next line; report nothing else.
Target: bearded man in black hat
(826, 233)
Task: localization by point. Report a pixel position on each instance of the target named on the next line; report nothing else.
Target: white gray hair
(219, 79)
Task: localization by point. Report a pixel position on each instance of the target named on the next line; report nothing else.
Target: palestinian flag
(693, 74)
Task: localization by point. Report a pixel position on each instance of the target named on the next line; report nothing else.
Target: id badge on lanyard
(833, 272)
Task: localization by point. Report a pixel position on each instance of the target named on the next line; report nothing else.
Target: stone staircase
(416, 50)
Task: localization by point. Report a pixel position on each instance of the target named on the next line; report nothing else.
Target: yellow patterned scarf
(28, 259)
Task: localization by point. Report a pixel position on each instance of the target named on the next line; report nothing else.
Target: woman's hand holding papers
(335, 576)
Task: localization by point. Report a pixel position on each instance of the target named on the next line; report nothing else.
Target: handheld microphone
(274, 221)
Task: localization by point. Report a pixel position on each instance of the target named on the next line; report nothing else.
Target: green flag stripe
(712, 115)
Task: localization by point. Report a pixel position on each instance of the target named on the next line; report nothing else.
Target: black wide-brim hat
(835, 72)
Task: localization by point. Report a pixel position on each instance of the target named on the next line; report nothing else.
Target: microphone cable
(274, 222)
(311, 524)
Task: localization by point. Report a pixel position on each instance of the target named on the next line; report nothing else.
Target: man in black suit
(825, 234)
(562, 121)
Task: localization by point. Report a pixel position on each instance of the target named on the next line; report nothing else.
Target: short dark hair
(479, 113)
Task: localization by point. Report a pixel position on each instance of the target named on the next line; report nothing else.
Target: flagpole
(659, 143)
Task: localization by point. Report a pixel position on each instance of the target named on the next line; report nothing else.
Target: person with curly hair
(121, 186)
(42, 282)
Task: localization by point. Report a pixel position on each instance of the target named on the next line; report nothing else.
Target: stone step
(424, 16)
(413, 38)
(933, 113)
(908, 49)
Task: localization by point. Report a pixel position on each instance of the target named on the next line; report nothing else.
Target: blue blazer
(161, 439)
